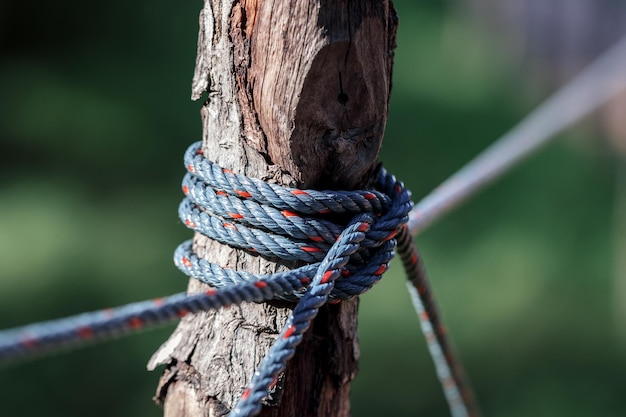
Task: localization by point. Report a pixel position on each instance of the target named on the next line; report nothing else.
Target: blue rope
(344, 260)
(448, 367)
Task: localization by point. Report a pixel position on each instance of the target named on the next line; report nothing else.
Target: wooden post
(297, 94)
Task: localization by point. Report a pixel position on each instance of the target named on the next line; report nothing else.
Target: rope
(456, 387)
(602, 80)
(344, 259)
(211, 186)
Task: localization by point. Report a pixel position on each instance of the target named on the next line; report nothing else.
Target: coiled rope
(351, 264)
(344, 259)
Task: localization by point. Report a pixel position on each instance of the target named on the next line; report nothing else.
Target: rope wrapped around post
(347, 239)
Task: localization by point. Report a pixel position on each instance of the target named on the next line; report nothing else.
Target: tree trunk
(297, 95)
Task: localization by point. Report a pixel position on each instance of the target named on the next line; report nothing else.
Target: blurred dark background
(95, 115)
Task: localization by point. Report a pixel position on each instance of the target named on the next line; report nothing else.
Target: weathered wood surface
(294, 93)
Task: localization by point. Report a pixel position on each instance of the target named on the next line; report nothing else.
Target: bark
(295, 93)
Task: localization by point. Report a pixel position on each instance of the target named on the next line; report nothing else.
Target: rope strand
(603, 79)
(345, 260)
(448, 365)
(252, 215)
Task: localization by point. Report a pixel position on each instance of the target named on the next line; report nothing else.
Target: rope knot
(289, 224)
(346, 239)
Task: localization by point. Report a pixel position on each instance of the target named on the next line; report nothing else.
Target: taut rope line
(602, 80)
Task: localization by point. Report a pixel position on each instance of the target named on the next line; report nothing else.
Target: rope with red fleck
(345, 259)
(596, 85)
(232, 198)
(456, 387)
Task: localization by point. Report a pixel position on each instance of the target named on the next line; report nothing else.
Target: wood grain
(294, 93)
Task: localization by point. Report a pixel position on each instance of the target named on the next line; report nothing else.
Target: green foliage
(94, 117)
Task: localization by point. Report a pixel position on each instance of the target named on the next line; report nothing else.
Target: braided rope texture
(344, 258)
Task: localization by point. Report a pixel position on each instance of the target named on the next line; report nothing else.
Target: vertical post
(294, 93)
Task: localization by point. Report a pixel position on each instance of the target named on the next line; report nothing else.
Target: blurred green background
(95, 115)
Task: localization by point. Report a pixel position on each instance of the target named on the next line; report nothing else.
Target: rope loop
(343, 259)
(287, 224)
(346, 240)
